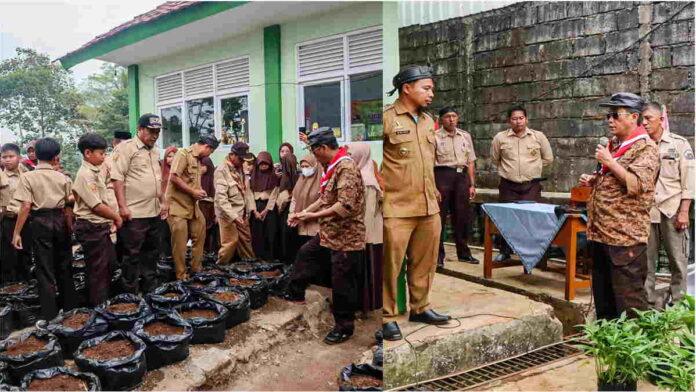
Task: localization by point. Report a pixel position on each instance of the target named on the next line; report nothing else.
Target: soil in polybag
(169, 295)
(117, 358)
(13, 289)
(237, 303)
(167, 337)
(277, 276)
(7, 321)
(60, 379)
(257, 289)
(363, 377)
(76, 326)
(30, 351)
(208, 320)
(202, 284)
(123, 311)
(216, 270)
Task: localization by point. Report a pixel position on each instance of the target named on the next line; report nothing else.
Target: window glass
(235, 119)
(322, 107)
(366, 107)
(200, 118)
(171, 127)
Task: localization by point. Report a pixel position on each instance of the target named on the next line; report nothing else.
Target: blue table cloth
(529, 228)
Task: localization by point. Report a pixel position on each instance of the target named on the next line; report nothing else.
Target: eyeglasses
(616, 115)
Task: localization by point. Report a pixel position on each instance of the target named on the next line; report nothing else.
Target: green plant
(676, 364)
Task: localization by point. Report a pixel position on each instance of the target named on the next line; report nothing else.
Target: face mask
(307, 171)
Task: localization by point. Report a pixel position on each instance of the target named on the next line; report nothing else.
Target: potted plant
(676, 363)
(621, 351)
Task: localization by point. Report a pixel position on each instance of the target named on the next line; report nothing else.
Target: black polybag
(124, 321)
(206, 330)
(17, 291)
(7, 322)
(215, 270)
(364, 369)
(165, 269)
(8, 388)
(258, 291)
(209, 282)
(378, 356)
(163, 350)
(19, 365)
(115, 374)
(159, 302)
(70, 338)
(277, 285)
(4, 376)
(239, 309)
(90, 379)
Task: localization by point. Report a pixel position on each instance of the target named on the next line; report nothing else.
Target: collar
(193, 151)
(90, 166)
(666, 136)
(401, 109)
(527, 131)
(43, 166)
(13, 173)
(139, 143)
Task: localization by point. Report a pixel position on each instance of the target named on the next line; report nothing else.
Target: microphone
(603, 141)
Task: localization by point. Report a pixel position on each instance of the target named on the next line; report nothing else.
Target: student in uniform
(212, 239)
(46, 195)
(95, 219)
(16, 263)
(264, 186)
(287, 240)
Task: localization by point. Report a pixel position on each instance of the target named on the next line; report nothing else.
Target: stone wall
(558, 60)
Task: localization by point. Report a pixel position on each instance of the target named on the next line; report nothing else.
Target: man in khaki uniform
(111, 196)
(519, 154)
(669, 215)
(455, 165)
(15, 263)
(185, 217)
(410, 209)
(136, 176)
(230, 205)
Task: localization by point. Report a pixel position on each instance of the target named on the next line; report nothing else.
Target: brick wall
(558, 60)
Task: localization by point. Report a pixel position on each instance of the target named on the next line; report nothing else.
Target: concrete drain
(476, 377)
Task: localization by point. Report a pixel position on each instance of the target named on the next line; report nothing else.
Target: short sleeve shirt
(90, 190)
(187, 166)
(138, 167)
(44, 187)
(344, 231)
(454, 150)
(520, 158)
(676, 179)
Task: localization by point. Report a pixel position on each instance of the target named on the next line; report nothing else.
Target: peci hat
(625, 100)
(209, 140)
(323, 135)
(241, 150)
(411, 74)
(149, 120)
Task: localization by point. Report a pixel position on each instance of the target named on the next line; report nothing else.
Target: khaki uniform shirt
(408, 164)
(454, 150)
(344, 231)
(520, 158)
(90, 190)
(44, 187)
(138, 167)
(619, 214)
(373, 216)
(271, 196)
(230, 200)
(11, 205)
(187, 166)
(106, 168)
(676, 179)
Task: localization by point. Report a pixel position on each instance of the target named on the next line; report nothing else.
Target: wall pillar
(133, 97)
(274, 108)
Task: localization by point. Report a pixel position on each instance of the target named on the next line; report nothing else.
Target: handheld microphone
(603, 141)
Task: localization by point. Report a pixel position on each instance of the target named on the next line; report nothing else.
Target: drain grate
(505, 368)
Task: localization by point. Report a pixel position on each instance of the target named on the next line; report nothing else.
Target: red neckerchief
(637, 134)
(340, 155)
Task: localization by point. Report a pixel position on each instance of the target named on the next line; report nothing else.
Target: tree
(106, 100)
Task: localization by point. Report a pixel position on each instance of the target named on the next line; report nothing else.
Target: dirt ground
(304, 363)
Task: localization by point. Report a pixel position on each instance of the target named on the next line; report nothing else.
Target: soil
(243, 267)
(172, 295)
(202, 313)
(61, 382)
(30, 345)
(123, 308)
(270, 274)
(197, 284)
(76, 321)
(364, 381)
(160, 328)
(216, 272)
(111, 349)
(14, 289)
(242, 282)
(226, 296)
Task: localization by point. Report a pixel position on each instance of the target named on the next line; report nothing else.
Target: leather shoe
(501, 257)
(429, 317)
(391, 331)
(336, 337)
(469, 259)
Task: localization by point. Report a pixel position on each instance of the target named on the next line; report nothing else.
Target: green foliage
(106, 101)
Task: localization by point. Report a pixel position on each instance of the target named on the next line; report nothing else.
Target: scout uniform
(411, 212)
(454, 155)
(93, 231)
(48, 192)
(185, 217)
(16, 263)
(230, 205)
(138, 167)
(675, 183)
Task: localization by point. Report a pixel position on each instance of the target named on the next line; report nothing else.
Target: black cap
(241, 150)
(625, 100)
(323, 135)
(122, 135)
(411, 74)
(209, 140)
(149, 120)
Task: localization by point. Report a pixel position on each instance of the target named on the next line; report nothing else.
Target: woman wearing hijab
(264, 185)
(287, 235)
(166, 240)
(284, 150)
(372, 271)
(212, 239)
(305, 193)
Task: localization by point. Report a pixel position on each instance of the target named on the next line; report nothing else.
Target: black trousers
(618, 279)
(52, 250)
(345, 278)
(264, 233)
(95, 239)
(288, 239)
(165, 240)
(510, 192)
(140, 239)
(454, 190)
(16, 264)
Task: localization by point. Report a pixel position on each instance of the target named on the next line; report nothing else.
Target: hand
(199, 194)
(263, 214)
(438, 196)
(124, 212)
(472, 192)
(17, 242)
(303, 138)
(256, 214)
(113, 229)
(118, 223)
(164, 211)
(587, 179)
(306, 216)
(681, 222)
(239, 221)
(603, 155)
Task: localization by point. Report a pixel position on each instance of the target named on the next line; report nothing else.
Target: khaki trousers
(677, 248)
(234, 237)
(182, 229)
(416, 238)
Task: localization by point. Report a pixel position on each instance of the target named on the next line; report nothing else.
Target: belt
(47, 211)
(447, 168)
(524, 182)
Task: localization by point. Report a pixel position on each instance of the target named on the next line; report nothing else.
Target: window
(340, 84)
(210, 99)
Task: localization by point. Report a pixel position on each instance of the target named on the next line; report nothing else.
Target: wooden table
(567, 237)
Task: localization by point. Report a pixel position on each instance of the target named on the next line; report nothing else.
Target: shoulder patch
(689, 154)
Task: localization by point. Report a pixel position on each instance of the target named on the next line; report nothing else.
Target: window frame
(218, 113)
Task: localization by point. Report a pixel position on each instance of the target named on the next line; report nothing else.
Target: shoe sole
(394, 338)
(332, 342)
(430, 322)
